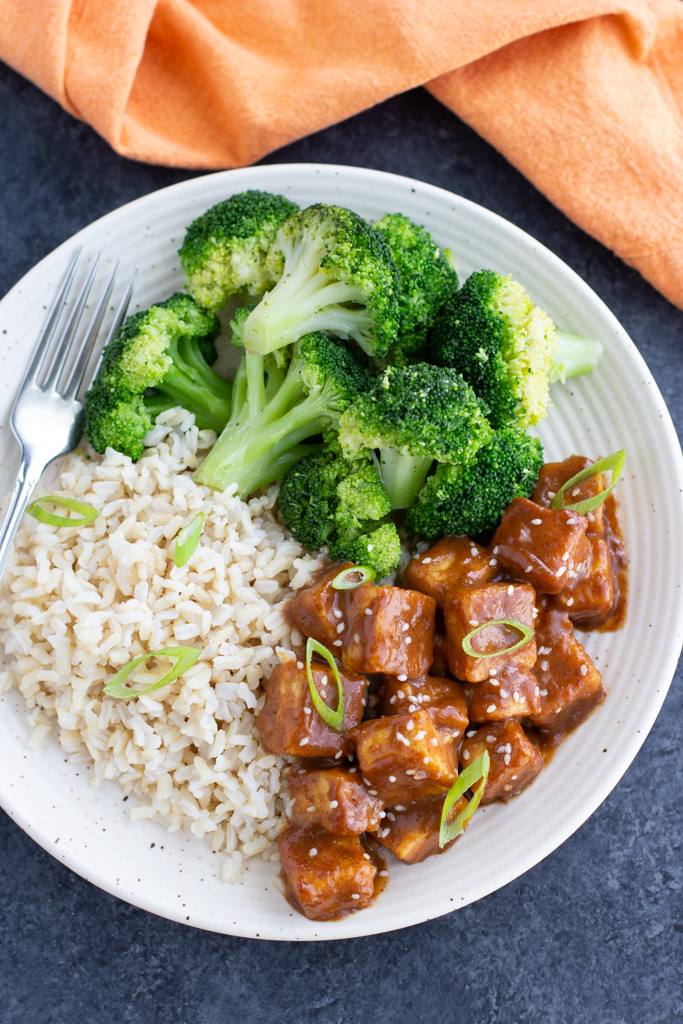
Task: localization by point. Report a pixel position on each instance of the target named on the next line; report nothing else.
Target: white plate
(618, 406)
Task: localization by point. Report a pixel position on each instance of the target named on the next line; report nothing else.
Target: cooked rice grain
(76, 605)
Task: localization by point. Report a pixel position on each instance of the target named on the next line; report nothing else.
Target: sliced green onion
(187, 540)
(479, 769)
(615, 462)
(335, 719)
(185, 658)
(349, 579)
(86, 513)
(526, 631)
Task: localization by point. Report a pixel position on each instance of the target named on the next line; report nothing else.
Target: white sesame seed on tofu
(405, 627)
(313, 851)
(402, 678)
(355, 895)
(561, 570)
(490, 709)
(401, 694)
(536, 522)
(307, 711)
(470, 733)
(409, 639)
(392, 778)
(399, 807)
(493, 561)
(515, 697)
(368, 611)
(338, 755)
(337, 643)
(493, 672)
(340, 627)
(420, 735)
(583, 670)
(410, 725)
(500, 749)
(426, 561)
(565, 556)
(536, 692)
(356, 638)
(529, 568)
(511, 590)
(383, 873)
(465, 755)
(337, 613)
(434, 741)
(490, 738)
(390, 816)
(474, 622)
(303, 741)
(333, 804)
(310, 809)
(392, 700)
(506, 759)
(299, 664)
(545, 666)
(496, 550)
(504, 693)
(570, 602)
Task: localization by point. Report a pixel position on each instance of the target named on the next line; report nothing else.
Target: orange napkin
(585, 97)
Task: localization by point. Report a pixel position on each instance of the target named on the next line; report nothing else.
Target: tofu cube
(412, 833)
(443, 698)
(590, 599)
(511, 693)
(569, 683)
(404, 758)
(289, 723)
(326, 876)
(336, 799)
(440, 661)
(515, 760)
(389, 630)
(469, 607)
(318, 609)
(452, 561)
(540, 545)
(554, 474)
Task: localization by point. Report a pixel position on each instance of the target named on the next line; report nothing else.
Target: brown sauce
(615, 542)
(381, 881)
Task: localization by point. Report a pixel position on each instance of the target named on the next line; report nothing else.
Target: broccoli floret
(277, 409)
(427, 280)
(329, 501)
(414, 415)
(471, 499)
(507, 348)
(337, 276)
(158, 359)
(224, 250)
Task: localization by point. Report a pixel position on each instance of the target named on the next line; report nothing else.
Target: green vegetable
(615, 462)
(414, 415)
(158, 359)
(471, 499)
(479, 769)
(335, 275)
(335, 719)
(224, 251)
(349, 579)
(86, 513)
(526, 631)
(184, 658)
(327, 500)
(187, 540)
(507, 348)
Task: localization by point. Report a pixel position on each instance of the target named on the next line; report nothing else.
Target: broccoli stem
(191, 382)
(402, 476)
(574, 356)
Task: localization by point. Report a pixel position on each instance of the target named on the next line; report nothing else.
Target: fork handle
(28, 475)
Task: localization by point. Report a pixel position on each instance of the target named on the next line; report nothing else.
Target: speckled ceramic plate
(618, 406)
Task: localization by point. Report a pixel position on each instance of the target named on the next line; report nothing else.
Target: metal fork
(47, 418)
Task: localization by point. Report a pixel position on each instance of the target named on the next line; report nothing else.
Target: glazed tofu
(289, 723)
(389, 630)
(515, 760)
(590, 600)
(540, 545)
(440, 660)
(570, 684)
(404, 758)
(469, 607)
(452, 561)
(444, 699)
(326, 876)
(336, 799)
(317, 609)
(412, 833)
(511, 693)
(554, 474)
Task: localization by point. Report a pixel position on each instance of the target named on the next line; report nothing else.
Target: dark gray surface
(590, 936)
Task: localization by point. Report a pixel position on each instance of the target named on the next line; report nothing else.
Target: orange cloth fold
(585, 97)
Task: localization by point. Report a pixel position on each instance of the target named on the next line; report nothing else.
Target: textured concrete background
(590, 936)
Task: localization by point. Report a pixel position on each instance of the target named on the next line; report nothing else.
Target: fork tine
(64, 347)
(117, 321)
(55, 311)
(76, 376)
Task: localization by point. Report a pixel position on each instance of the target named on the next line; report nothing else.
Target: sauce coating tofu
(570, 684)
(469, 607)
(334, 798)
(389, 630)
(412, 833)
(452, 561)
(326, 876)
(440, 660)
(541, 545)
(289, 723)
(590, 600)
(404, 758)
(512, 693)
(317, 609)
(554, 474)
(443, 698)
(515, 760)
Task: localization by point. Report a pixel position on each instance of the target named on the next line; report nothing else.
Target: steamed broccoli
(427, 280)
(224, 250)
(327, 500)
(167, 348)
(507, 348)
(276, 408)
(335, 275)
(471, 499)
(414, 415)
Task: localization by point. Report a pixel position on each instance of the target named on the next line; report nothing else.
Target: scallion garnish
(184, 657)
(335, 719)
(615, 462)
(479, 769)
(86, 513)
(187, 540)
(526, 631)
(349, 579)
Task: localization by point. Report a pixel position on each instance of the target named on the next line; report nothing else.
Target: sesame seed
(413, 707)
(493, 681)
(561, 570)
(571, 522)
(299, 664)
(355, 895)
(333, 804)
(529, 568)
(420, 735)
(409, 639)
(405, 627)
(399, 807)
(401, 694)
(570, 602)
(311, 809)
(544, 666)
(403, 740)
(338, 755)
(356, 638)
(471, 732)
(392, 700)
(496, 550)
(410, 726)
(500, 749)
(474, 622)
(402, 678)
(337, 614)
(575, 491)
(506, 759)
(536, 692)
(372, 792)
(385, 832)
(513, 777)
(493, 561)
(341, 627)
(508, 748)
(392, 778)
(434, 741)
(515, 697)
(536, 522)
(565, 556)
(410, 771)
(583, 670)
(382, 814)
(303, 742)
(312, 852)
(465, 755)
(390, 816)
(507, 788)
(425, 760)
(367, 856)
(493, 672)
(544, 693)
(534, 613)
(307, 711)
(511, 590)
(490, 738)
(504, 694)
(368, 611)
(337, 643)
(384, 874)
(551, 494)
(490, 709)
(426, 561)
(352, 769)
